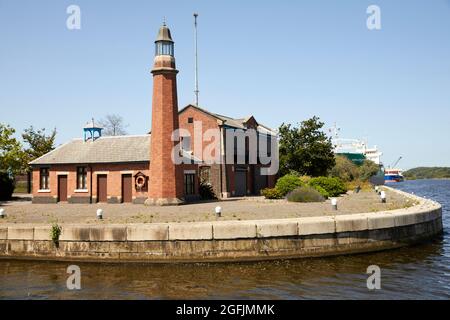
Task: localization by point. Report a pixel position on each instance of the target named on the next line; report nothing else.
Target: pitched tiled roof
(118, 149)
(231, 122)
(102, 150)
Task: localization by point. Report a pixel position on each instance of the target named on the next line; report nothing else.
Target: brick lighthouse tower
(166, 178)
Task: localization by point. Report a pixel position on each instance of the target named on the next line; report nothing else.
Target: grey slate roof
(122, 149)
(232, 122)
(102, 150)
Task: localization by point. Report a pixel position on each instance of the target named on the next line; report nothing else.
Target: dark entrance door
(102, 188)
(62, 188)
(240, 182)
(127, 185)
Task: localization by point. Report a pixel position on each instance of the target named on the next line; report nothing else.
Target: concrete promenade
(228, 240)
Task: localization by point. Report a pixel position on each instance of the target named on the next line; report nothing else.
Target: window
(189, 183)
(190, 120)
(44, 178)
(186, 143)
(81, 178)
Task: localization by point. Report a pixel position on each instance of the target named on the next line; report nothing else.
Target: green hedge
(273, 193)
(333, 186)
(288, 183)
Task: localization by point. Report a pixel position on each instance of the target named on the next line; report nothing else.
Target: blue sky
(282, 61)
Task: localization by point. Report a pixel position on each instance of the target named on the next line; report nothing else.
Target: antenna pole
(196, 60)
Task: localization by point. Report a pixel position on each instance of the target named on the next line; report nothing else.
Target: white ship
(354, 149)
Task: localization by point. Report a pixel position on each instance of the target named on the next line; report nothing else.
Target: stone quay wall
(228, 240)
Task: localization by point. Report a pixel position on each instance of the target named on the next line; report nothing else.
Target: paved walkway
(22, 211)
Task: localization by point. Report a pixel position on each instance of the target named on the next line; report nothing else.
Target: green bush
(305, 194)
(368, 169)
(288, 183)
(322, 191)
(206, 192)
(271, 193)
(334, 186)
(345, 169)
(55, 232)
(6, 186)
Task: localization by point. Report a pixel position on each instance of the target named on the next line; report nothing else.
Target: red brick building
(140, 169)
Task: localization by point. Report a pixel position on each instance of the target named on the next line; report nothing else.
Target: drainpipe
(90, 189)
(221, 161)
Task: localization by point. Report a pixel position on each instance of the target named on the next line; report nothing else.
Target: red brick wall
(166, 177)
(114, 173)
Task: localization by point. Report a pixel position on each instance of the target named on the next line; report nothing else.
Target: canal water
(419, 272)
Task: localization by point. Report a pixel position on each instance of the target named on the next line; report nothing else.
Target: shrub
(322, 191)
(334, 186)
(368, 169)
(364, 185)
(305, 179)
(305, 194)
(271, 193)
(55, 232)
(345, 169)
(288, 183)
(206, 192)
(6, 186)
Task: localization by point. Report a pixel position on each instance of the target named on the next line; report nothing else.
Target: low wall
(228, 240)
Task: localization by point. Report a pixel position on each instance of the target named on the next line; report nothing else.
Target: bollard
(100, 214)
(383, 197)
(218, 212)
(376, 189)
(334, 204)
(2, 213)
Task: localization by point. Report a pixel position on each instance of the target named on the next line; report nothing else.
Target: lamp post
(218, 212)
(334, 204)
(383, 197)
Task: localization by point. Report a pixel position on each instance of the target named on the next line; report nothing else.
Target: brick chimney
(166, 178)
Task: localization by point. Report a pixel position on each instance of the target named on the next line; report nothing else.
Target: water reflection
(418, 272)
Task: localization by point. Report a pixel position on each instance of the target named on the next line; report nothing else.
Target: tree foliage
(305, 149)
(113, 125)
(367, 170)
(345, 169)
(428, 173)
(39, 143)
(11, 154)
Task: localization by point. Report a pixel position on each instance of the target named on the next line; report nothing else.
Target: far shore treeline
(427, 173)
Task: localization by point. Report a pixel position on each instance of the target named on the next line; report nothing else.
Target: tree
(11, 154)
(113, 125)
(345, 169)
(368, 169)
(306, 149)
(38, 143)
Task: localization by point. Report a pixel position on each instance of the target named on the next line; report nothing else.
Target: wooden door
(127, 185)
(102, 188)
(240, 183)
(62, 188)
